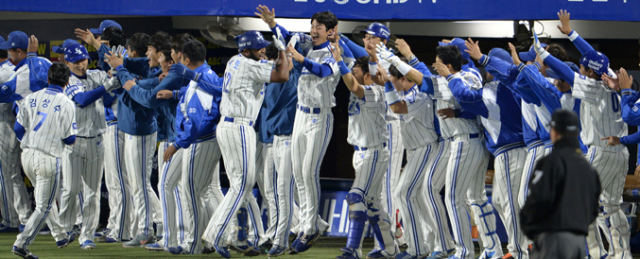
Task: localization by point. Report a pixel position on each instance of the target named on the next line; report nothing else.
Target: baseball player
(30, 72)
(278, 111)
(426, 167)
(367, 134)
(495, 104)
(241, 100)
(195, 124)
(375, 34)
(83, 163)
(463, 184)
(600, 118)
(45, 124)
(15, 205)
(313, 125)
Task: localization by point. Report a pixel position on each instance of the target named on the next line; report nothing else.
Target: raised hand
(33, 44)
(565, 26)
(269, 17)
(404, 48)
(85, 36)
(279, 43)
(381, 76)
(336, 51)
(514, 55)
(113, 60)
(442, 69)
(624, 79)
(292, 52)
(473, 48)
(384, 52)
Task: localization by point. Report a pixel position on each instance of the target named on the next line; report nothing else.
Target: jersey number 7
(44, 116)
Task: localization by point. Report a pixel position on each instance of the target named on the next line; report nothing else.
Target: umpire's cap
(565, 122)
(251, 40)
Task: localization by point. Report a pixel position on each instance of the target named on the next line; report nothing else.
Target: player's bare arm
(280, 72)
(514, 55)
(348, 78)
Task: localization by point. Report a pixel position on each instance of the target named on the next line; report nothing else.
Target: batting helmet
(251, 40)
(596, 61)
(379, 30)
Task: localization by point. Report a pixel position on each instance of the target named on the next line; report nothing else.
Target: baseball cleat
(23, 252)
(306, 241)
(438, 255)
(348, 253)
(175, 250)
(139, 241)
(375, 254)
(63, 243)
(111, 240)
(406, 255)
(275, 251)
(87, 244)
(223, 251)
(154, 247)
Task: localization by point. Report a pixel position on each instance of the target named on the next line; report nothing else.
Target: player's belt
(357, 148)
(88, 137)
(472, 135)
(239, 120)
(306, 109)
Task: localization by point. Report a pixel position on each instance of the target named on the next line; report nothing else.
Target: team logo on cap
(78, 51)
(384, 33)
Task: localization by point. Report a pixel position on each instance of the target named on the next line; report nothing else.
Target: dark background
(337, 162)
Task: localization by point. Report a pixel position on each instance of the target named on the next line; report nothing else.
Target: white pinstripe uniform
(312, 131)
(421, 141)
(13, 193)
(48, 117)
(396, 153)
(266, 181)
(368, 135)
(241, 101)
(170, 194)
(83, 162)
(121, 214)
(600, 116)
(535, 151)
(464, 182)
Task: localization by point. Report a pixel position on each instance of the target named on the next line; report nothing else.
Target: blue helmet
(251, 40)
(501, 54)
(379, 30)
(596, 61)
(75, 53)
(460, 43)
(66, 43)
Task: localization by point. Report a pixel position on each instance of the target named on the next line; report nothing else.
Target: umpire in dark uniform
(563, 195)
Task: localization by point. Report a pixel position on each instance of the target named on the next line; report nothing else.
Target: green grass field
(45, 247)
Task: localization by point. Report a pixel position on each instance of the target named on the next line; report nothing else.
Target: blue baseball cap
(65, 44)
(531, 54)
(17, 40)
(75, 53)
(460, 43)
(251, 40)
(596, 61)
(1, 39)
(104, 25)
(552, 74)
(501, 54)
(379, 30)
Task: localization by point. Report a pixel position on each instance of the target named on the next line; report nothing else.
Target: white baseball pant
(198, 159)
(534, 154)
(408, 193)
(44, 173)
(139, 151)
(213, 195)
(436, 214)
(396, 153)
(237, 141)
(612, 164)
(310, 138)
(284, 187)
(464, 187)
(121, 213)
(370, 167)
(509, 166)
(268, 190)
(15, 205)
(82, 166)
(170, 196)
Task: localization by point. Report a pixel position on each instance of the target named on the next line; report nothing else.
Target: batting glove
(537, 46)
(278, 43)
(112, 84)
(395, 61)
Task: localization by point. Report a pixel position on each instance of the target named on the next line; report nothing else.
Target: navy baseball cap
(552, 74)
(531, 54)
(104, 25)
(75, 53)
(1, 39)
(565, 122)
(460, 43)
(16, 40)
(378, 29)
(65, 44)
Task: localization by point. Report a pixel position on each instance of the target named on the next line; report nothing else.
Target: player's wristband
(119, 67)
(390, 93)
(343, 68)
(175, 145)
(573, 35)
(373, 68)
(484, 60)
(175, 94)
(32, 54)
(404, 68)
(544, 54)
(537, 65)
(521, 66)
(413, 60)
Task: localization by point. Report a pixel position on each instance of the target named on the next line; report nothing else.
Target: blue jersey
(281, 100)
(31, 75)
(110, 100)
(198, 110)
(630, 107)
(138, 66)
(133, 117)
(495, 104)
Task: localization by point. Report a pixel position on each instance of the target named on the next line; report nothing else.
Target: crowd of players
(269, 117)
